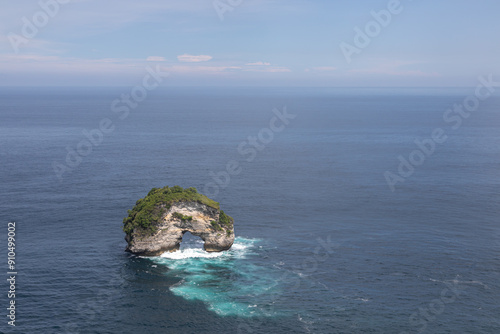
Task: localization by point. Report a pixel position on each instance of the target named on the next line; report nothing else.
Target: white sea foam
(190, 253)
(239, 247)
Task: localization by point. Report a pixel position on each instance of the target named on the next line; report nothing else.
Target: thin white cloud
(269, 70)
(53, 64)
(259, 63)
(155, 58)
(324, 69)
(409, 73)
(203, 69)
(193, 59)
(396, 68)
(25, 58)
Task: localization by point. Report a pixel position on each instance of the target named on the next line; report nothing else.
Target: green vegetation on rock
(147, 212)
(216, 225)
(181, 216)
(225, 223)
(225, 220)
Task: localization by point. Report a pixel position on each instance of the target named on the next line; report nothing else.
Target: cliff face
(214, 227)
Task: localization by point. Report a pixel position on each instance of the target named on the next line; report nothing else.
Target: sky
(311, 43)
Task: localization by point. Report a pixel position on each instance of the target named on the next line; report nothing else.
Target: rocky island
(158, 221)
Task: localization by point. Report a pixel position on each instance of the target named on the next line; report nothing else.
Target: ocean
(357, 210)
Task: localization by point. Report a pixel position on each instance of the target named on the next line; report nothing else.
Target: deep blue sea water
(323, 245)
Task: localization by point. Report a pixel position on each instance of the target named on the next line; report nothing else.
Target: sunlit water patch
(229, 283)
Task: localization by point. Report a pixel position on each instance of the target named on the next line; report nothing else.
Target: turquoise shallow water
(229, 283)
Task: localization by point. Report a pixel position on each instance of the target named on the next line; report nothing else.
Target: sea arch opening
(191, 241)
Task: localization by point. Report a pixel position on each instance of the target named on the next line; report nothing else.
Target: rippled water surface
(323, 245)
